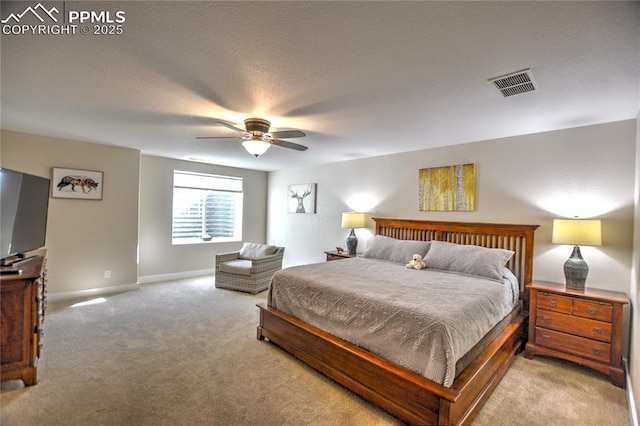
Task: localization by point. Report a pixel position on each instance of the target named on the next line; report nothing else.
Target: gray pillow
(256, 251)
(468, 259)
(398, 251)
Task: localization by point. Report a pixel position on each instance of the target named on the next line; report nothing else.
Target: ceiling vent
(515, 83)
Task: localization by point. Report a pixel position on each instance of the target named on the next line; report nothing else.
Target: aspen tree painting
(449, 188)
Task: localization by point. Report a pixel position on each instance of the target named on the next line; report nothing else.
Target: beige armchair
(250, 269)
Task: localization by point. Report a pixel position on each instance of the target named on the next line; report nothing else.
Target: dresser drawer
(594, 310)
(580, 346)
(553, 302)
(584, 327)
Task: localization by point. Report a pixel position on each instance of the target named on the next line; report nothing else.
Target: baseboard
(92, 292)
(633, 413)
(175, 276)
(102, 291)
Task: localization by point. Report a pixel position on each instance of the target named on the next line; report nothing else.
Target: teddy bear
(416, 262)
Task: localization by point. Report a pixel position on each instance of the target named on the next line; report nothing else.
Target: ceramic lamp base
(576, 270)
(352, 242)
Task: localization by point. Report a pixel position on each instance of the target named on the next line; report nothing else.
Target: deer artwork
(300, 198)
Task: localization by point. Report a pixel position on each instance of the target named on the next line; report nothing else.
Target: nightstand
(579, 326)
(334, 255)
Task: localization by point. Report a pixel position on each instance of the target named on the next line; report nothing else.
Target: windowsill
(213, 241)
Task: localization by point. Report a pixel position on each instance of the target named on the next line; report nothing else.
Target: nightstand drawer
(553, 302)
(580, 346)
(331, 257)
(594, 310)
(584, 327)
(335, 255)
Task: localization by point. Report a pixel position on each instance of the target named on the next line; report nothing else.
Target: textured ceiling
(360, 78)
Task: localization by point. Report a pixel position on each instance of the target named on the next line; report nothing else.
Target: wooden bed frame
(403, 393)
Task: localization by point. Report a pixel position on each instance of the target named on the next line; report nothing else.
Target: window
(206, 208)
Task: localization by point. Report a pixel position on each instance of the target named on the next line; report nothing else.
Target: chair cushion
(240, 267)
(256, 251)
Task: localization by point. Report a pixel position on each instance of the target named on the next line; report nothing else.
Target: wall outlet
(107, 273)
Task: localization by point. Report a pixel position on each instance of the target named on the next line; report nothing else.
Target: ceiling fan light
(256, 147)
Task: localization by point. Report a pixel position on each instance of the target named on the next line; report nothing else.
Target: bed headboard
(517, 238)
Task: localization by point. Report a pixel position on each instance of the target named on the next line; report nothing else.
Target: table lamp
(576, 232)
(353, 220)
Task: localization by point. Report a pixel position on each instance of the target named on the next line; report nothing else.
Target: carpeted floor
(185, 353)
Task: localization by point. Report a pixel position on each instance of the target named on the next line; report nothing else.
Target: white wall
(159, 259)
(84, 237)
(587, 171)
(634, 293)
(531, 179)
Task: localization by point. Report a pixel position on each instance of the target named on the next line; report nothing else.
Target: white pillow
(256, 251)
(468, 259)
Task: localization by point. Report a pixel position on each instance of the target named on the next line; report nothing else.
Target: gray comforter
(423, 320)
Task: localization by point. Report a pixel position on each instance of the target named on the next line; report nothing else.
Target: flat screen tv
(24, 201)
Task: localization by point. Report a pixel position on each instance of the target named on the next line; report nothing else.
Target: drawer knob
(546, 319)
(553, 303)
(597, 330)
(546, 338)
(596, 351)
(592, 311)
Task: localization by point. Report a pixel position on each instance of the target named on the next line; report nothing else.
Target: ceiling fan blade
(217, 137)
(231, 126)
(286, 134)
(289, 145)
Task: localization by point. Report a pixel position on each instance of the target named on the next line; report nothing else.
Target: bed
(457, 394)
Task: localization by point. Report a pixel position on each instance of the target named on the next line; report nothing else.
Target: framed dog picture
(78, 184)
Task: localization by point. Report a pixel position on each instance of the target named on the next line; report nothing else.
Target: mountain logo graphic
(34, 11)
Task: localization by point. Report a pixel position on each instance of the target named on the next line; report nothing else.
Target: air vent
(515, 83)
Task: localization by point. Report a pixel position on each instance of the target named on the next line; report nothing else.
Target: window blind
(206, 208)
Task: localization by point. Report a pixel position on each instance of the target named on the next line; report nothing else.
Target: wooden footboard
(403, 393)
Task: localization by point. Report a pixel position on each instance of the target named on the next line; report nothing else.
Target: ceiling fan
(257, 138)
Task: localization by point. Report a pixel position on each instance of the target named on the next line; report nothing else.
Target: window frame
(207, 184)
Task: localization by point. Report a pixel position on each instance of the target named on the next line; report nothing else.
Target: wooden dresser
(22, 304)
(579, 326)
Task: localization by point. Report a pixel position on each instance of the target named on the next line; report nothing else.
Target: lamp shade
(256, 147)
(353, 220)
(577, 232)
